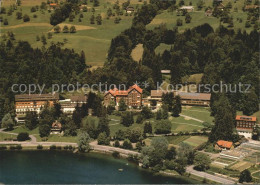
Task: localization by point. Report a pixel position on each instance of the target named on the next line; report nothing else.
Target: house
(53, 6)
(68, 105)
(188, 8)
(251, 7)
(132, 97)
(199, 99)
(56, 127)
(245, 125)
(208, 13)
(226, 145)
(33, 102)
(130, 9)
(165, 72)
(220, 7)
(156, 96)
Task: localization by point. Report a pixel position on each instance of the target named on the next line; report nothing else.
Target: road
(215, 178)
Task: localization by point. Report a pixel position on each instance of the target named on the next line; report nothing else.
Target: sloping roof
(224, 144)
(136, 87)
(194, 96)
(80, 98)
(130, 8)
(157, 93)
(53, 4)
(187, 7)
(251, 7)
(56, 124)
(245, 118)
(36, 97)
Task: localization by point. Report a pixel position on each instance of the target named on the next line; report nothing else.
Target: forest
(221, 55)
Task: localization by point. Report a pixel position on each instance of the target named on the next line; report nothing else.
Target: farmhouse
(199, 99)
(130, 9)
(188, 8)
(53, 6)
(132, 97)
(68, 105)
(245, 125)
(33, 102)
(250, 7)
(208, 13)
(226, 145)
(56, 127)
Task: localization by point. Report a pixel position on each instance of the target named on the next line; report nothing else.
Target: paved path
(215, 178)
(188, 117)
(33, 138)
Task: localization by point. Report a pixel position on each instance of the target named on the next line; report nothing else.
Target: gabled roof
(245, 118)
(224, 144)
(194, 96)
(36, 97)
(56, 124)
(158, 93)
(80, 98)
(136, 87)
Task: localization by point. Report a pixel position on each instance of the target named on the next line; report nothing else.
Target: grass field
(198, 17)
(240, 166)
(137, 52)
(201, 113)
(4, 136)
(175, 140)
(24, 129)
(58, 138)
(195, 141)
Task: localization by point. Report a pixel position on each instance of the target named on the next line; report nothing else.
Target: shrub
(26, 18)
(66, 147)
(127, 144)
(23, 136)
(39, 147)
(53, 147)
(58, 147)
(70, 147)
(5, 22)
(3, 147)
(34, 16)
(116, 154)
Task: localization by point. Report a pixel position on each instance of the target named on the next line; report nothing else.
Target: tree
(19, 15)
(127, 119)
(31, 120)
(83, 142)
(188, 18)
(163, 127)
(72, 29)
(49, 35)
(57, 112)
(57, 29)
(127, 144)
(26, 18)
(76, 116)
(65, 29)
(5, 22)
(99, 19)
(201, 161)
(134, 135)
(148, 128)
(70, 128)
(38, 38)
(33, 9)
(171, 153)
(103, 139)
(90, 127)
(224, 120)
(179, 22)
(177, 106)
(251, 105)
(7, 122)
(146, 112)
(103, 126)
(122, 105)
(120, 135)
(185, 154)
(96, 3)
(23, 136)
(44, 41)
(245, 176)
(44, 130)
(92, 19)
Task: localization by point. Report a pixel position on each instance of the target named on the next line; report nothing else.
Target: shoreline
(122, 156)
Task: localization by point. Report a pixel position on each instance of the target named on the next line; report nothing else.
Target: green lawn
(24, 129)
(4, 136)
(201, 113)
(195, 141)
(94, 42)
(175, 140)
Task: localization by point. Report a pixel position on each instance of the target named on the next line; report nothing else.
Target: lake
(56, 167)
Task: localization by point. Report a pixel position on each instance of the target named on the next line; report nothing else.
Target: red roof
(53, 4)
(116, 92)
(245, 118)
(136, 87)
(224, 144)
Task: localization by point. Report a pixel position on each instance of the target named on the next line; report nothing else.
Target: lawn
(240, 166)
(94, 42)
(201, 113)
(175, 140)
(198, 17)
(4, 136)
(162, 47)
(24, 129)
(195, 141)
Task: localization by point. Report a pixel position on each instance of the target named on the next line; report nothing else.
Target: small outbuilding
(56, 127)
(224, 145)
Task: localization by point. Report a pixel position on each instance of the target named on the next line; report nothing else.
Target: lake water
(56, 167)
